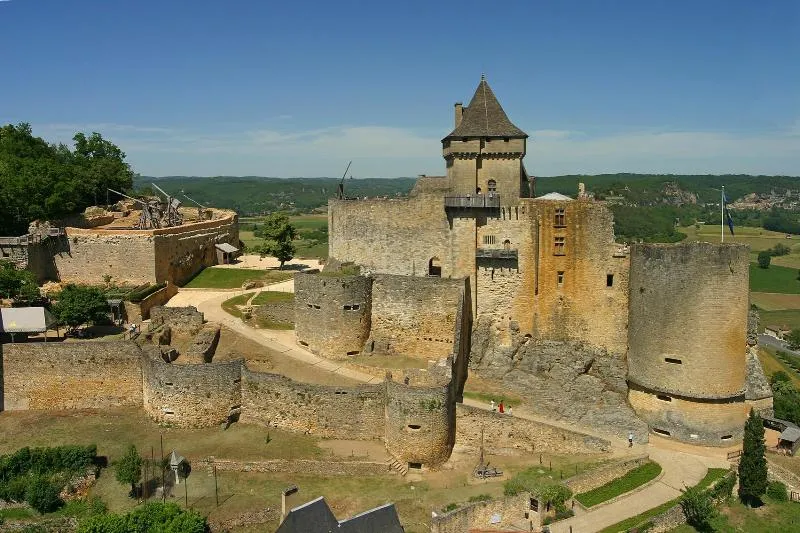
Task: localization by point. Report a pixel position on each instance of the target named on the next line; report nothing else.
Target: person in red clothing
(500, 407)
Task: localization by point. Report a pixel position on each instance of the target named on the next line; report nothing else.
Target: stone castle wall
(332, 412)
(415, 316)
(71, 375)
(174, 254)
(420, 423)
(191, 395)
(332, 313)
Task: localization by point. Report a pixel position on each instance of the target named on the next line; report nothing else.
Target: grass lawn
(233, 278)
(758, 238)
(711, 476)
(786, 317)
(268, 297)
(311, 249)
(771, 301)
(230, 305)
(773, 517)
(774, 279)
(772, 364)
(633, 479)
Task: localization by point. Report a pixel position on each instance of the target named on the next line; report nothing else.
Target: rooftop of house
(484, 117)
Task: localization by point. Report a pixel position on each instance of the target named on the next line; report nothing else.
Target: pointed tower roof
(484, 117)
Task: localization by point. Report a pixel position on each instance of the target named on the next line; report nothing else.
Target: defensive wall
(687, 339)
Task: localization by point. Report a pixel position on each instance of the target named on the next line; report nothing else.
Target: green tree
(278, 234)
(698, 508)
(793, 339)
(764, 259)
(43, 495)
(17, 283)
(753, 464)
(129, 468)
(80, 305)
(779, 250)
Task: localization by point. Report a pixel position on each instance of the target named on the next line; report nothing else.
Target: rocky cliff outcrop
(562, 380)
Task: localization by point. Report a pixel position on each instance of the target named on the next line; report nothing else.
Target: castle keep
(659, 331)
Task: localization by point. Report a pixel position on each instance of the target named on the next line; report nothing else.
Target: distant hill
(253, 195)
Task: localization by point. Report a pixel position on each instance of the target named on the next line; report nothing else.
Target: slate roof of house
(26, 320)
(316, 517)
(790, 434)
(484, 117)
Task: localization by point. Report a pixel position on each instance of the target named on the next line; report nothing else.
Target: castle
(664, 326)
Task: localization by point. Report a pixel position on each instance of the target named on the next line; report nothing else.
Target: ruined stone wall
(415, 316)
(504, 434)
(420, 423)
(332, 313)
(471, 516)
(191, 395)
(276, 401)
(36, 256)
(135, 312)
(758, 392)
(583, 306)
(71, 375)
(186, 319)
(390, 236)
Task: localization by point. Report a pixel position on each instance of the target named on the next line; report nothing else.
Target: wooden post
(186, 491)
(216, 491)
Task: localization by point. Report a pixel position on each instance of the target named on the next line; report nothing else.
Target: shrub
(154, 516)
(777, 491)
(42, 495)
(450, 507)
(480, 498)
(724, 488)
(764, 259)
(698, 507)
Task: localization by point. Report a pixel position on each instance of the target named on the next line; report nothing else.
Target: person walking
(500, 407)
(630, 439)
(492, 404)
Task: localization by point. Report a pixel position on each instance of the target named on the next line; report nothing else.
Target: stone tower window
(506, 245)
(492, 186)
(560, 218)
(560, 278)
(609, 280)
(673, 361)
(560, 246)
(489, 239)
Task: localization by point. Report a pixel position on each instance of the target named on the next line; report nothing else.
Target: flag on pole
(727, 212)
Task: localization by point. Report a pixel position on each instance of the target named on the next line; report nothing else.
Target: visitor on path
(500, 407)
(630, 439)
(492, 404)
(510, 411)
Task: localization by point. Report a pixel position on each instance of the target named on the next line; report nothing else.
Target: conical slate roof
(484, 117)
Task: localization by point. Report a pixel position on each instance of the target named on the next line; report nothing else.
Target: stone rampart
(135, 312)
(511, 510)
(332, 313)
(420, 423)
(331, 412)
(71, 375)
(192, 395)
(184, 319)
(511, 435)
(310, 467)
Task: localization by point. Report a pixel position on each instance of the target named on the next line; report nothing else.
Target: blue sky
(238, 87)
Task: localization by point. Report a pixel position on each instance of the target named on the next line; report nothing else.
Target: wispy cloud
(390, 151)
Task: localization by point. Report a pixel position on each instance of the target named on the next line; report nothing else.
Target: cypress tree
(753, 464)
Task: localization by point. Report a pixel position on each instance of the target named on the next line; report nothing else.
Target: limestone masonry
(648, 337)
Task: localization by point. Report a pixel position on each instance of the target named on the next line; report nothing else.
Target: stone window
(505, 139)
(560, 278)
(609, 280)
(347, 307)
(726, 437)
(673, 361)
(492, 185)
(415, 427)
(560, 218)
(663, 432)
(489, 239)
(415, 466)
(434, 267)
(663, 398)
(560, 246)
(356, 307)
(506, 245)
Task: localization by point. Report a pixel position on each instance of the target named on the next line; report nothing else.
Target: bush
(42, 495)
(154, 516)
(764, 259)
(698, 507)
(724, 488)
(777, 491)
(450, 507)
(480, 498)
(779, 250)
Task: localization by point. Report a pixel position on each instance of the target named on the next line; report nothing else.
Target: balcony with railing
(473, 201)
(495, 253)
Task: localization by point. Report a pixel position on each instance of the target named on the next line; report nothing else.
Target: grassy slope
(773, 517)
(633, 479)
(772, 364)
(232, 278)
(267, 297)
(774, 279)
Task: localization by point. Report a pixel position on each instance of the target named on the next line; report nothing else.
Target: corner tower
(484, 152)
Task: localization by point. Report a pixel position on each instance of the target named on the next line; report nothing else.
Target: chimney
(459, 113)
(284, 493)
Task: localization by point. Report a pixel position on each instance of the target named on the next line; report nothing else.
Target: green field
(758, 238)
(633, 479)
(312, 230)
(774, 279)
(233, 278)
(786, 317)
(268, 297)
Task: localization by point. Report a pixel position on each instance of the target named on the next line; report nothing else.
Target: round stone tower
(420, 423)
(687, 340)
(332, 313)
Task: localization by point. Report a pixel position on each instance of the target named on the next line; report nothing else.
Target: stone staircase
(398, 467)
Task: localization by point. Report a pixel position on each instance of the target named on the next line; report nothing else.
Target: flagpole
(722, 215)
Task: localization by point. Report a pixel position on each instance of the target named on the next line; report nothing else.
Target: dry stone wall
(71, 375)
(511, 510)
(185, 319)
(606, 473)
(331, 412)
(192, 395)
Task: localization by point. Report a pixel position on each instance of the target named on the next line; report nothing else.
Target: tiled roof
(484, 117)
